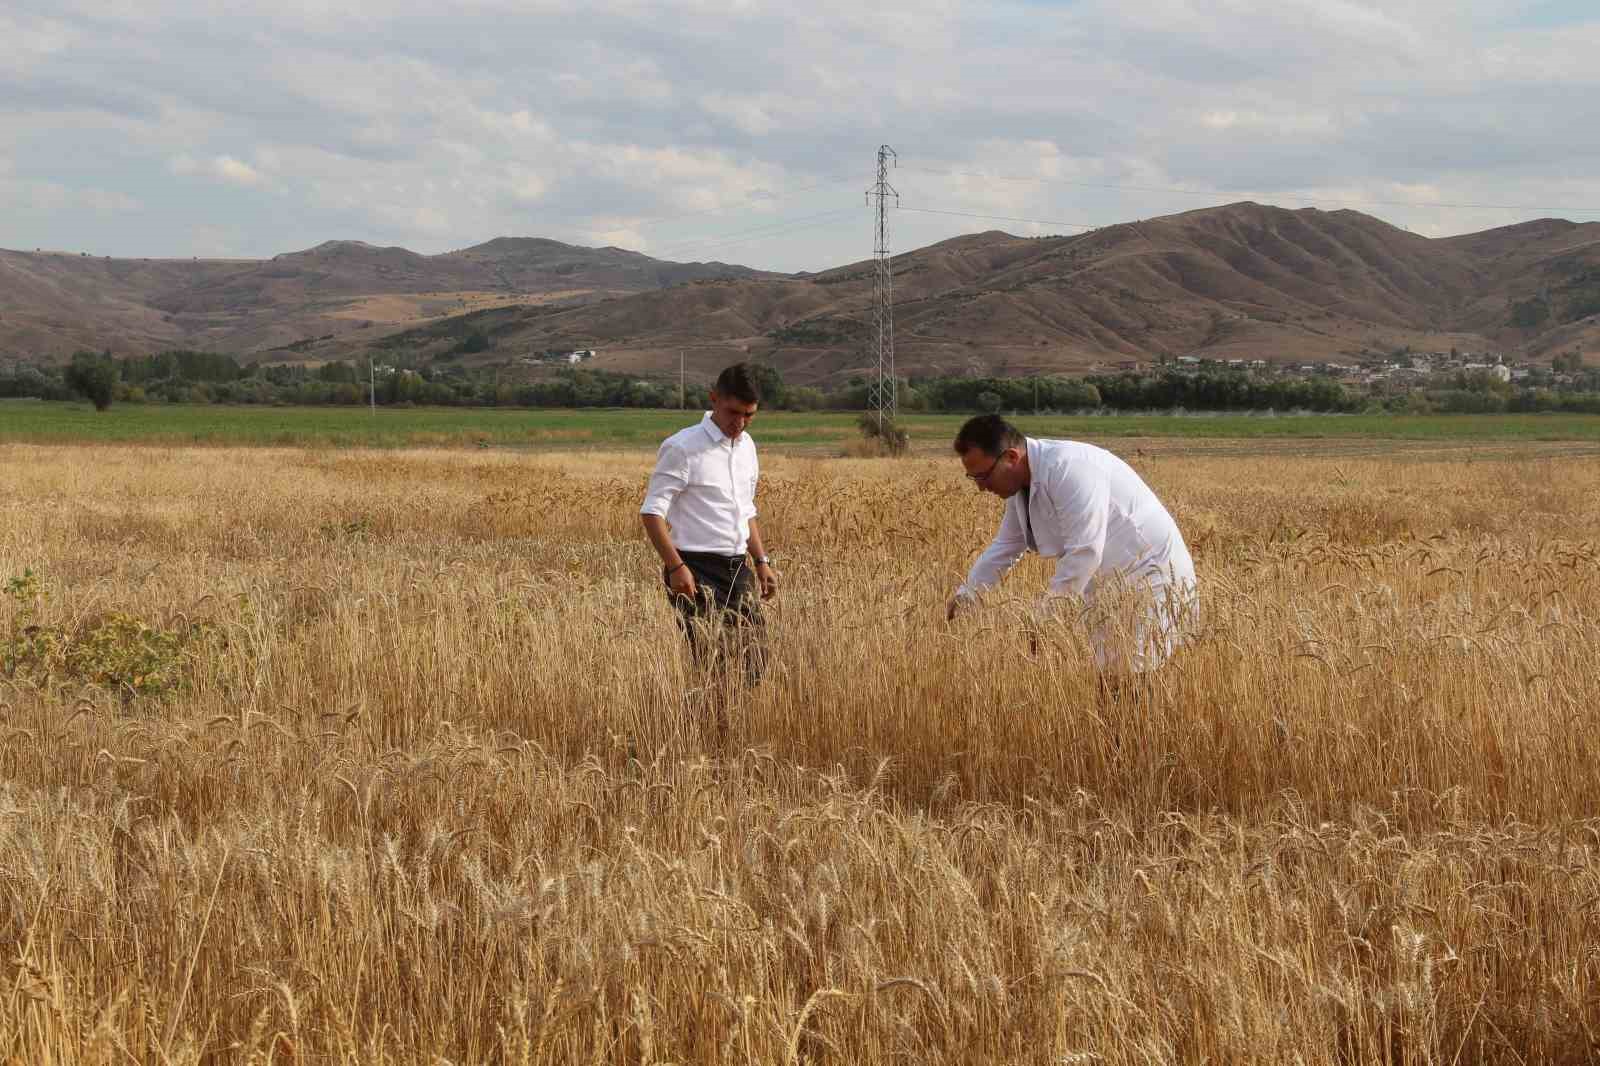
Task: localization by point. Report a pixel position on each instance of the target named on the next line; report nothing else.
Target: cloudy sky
(746, 131)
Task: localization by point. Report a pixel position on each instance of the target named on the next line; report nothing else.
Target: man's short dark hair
(990, 434)
(739, 382)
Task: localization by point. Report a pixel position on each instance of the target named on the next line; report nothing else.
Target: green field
(35, 421)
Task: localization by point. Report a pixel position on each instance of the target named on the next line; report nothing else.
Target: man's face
(731, 414)
(1000, 474)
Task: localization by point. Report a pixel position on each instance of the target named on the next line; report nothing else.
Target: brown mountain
(1239, 281)
(53, 303)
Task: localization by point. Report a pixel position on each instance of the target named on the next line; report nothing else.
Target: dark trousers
(722, 621)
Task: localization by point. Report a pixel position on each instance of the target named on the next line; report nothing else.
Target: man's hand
(957, 602)
(769, 580)
(681, 582)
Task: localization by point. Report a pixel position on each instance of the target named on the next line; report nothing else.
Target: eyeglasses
(978, 479)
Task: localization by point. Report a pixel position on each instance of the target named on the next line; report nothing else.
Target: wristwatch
(762, 560)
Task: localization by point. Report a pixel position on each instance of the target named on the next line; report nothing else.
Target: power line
(591, 232)
(770, 230)
(998, 218)
(1280, 196)
(746, 200)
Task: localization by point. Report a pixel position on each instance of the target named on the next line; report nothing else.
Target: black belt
(713, 559)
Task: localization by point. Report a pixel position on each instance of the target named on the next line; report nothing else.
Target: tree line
(184, 376)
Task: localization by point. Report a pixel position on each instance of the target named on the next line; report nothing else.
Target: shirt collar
(713, 430)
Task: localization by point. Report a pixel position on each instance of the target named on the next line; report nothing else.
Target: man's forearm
(755, 546)
(655, 528)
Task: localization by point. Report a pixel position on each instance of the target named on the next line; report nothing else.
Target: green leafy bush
(114, 650)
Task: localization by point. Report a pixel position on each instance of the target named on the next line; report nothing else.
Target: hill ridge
(1243, 280)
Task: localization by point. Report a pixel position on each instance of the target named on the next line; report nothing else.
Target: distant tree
(989, 402)
(337, 372)
(94, 376)
(890, 436)
(1529, 313)
(773, 391)
(806, 398)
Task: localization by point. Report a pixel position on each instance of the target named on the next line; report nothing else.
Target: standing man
(699, 513)
(1115, 544)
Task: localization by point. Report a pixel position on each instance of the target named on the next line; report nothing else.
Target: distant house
(558, 355)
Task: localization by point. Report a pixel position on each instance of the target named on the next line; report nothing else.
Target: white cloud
(223, 167)
(528, 188)
(108, 201)
(233, 170)
(747, 114)
(43, 197)
(31, 40)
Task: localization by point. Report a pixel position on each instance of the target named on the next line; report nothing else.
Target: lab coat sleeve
(1010, 541)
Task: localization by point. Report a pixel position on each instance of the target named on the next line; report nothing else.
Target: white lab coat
(1113, 542)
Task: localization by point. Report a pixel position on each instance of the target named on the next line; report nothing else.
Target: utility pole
(680, 379)
(372, 385)
(883, 393)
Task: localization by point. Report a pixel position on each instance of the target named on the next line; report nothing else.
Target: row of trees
(1224, 391)
(208, 377)
(1477, 392)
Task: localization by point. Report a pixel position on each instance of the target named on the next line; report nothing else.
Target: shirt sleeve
(669, 478)
(1082, 497)
(749, 504)
(1010, 541)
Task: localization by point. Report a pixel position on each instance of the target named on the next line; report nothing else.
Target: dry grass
(428, 791)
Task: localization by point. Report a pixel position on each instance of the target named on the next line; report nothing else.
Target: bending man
(1115, 544)
(699, 513)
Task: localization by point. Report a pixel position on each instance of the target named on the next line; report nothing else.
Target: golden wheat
(409, 775)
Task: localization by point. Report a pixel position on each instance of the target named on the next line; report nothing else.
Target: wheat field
(386, 757)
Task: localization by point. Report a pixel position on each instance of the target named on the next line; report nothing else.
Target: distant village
(551, 357)
(1402, 367)
(558, 357)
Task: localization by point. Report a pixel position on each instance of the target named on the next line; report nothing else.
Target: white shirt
(1092, 513)
(704, 485)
